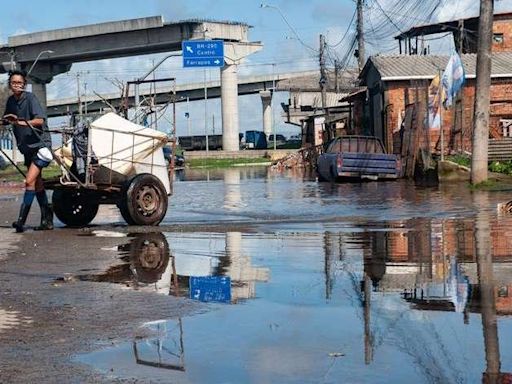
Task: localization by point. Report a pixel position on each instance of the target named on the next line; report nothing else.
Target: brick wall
(457, 129)
(503, 27)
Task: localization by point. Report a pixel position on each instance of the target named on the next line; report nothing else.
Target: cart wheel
(149, 253)
(74, 208)
(144, 201)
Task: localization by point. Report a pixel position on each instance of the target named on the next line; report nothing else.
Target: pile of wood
(304, 157)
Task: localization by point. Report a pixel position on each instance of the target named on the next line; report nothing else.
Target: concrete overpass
(50, 53)
(302, 86)
(195, 91)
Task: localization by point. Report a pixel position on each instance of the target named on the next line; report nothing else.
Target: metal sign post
(203, 54)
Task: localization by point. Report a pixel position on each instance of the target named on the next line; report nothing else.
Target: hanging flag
(453, 79)
(434, 93)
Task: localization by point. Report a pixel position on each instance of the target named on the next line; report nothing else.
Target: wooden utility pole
(360, 39)
(323, 86)
(482, 94)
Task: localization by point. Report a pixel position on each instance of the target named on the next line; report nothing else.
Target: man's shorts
(41, 158)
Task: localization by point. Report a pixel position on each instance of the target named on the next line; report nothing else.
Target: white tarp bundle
(128, 148)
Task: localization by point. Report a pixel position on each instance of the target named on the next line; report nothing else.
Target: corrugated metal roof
(410, 67)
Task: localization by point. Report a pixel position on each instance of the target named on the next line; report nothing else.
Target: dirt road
(46, 317)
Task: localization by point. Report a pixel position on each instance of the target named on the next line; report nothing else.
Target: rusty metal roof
(449, 26)
(418, 67)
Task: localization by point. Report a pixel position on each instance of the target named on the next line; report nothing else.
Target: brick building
(392, 82)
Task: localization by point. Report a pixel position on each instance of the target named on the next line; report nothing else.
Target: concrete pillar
(266, 100)
(229, 101)
(39, 90)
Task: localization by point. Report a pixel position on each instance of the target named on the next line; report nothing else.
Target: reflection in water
(232, 194)
(146, 261)
(410, 295)
(165, 349)
(225, 277)
(487, 296)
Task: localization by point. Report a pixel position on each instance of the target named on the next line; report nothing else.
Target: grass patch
(11, 174)
(463, 160)
(224, 163)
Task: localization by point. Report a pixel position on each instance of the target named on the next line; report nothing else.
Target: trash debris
(505, 207)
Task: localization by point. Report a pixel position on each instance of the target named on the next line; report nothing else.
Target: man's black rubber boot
(46, 218)
(22, 218)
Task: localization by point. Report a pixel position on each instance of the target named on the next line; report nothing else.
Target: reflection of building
(149, 265)
(239, 268)
(230, 263)
(432, 262)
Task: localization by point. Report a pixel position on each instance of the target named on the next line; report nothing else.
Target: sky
(289, 31)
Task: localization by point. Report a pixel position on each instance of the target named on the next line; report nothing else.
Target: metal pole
(271, 102)
(78, 94)
(85, 98)
(188, 116)
(136, 101)
(206, 111)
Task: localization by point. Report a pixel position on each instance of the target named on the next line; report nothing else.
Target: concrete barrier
(245, 154)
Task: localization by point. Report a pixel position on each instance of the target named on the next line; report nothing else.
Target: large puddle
(398, 284)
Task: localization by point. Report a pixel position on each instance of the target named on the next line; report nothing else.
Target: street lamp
(287, 23)
(37, 58)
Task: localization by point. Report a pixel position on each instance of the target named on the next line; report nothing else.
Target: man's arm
(13, 119)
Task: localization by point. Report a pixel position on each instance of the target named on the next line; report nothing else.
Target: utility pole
(482, 94)
(323, 84)
(336, 74)
(360, 38)
(78, 94)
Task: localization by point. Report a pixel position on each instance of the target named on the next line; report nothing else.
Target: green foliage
(224, 163)
(501, 167)
(463, 160)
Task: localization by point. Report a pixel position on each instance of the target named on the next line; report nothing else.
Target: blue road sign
(203, 53)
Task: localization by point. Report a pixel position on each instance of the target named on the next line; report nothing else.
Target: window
(497, 38)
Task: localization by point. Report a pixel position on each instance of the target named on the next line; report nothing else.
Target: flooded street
(295, 281)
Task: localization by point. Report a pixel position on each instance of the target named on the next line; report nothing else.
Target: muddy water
(361, 283)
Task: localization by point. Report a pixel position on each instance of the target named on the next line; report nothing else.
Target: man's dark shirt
(28, 108)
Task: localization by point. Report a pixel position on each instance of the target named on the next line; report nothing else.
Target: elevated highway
(49, 53)
(194, 91)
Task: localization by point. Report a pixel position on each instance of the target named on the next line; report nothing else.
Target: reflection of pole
(368, 350)
(174, 282)
(327, 264)
(487, 289)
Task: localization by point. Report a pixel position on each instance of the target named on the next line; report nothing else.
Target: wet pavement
(295, 281)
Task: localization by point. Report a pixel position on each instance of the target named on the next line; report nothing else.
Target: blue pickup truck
(357, 157)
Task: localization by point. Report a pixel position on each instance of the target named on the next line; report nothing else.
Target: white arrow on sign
(217, 61)
(189, 49)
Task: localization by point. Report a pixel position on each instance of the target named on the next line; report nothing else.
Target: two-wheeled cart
(111, 161)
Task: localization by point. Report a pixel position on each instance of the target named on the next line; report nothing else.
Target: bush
(463, 160)
(501, 167)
